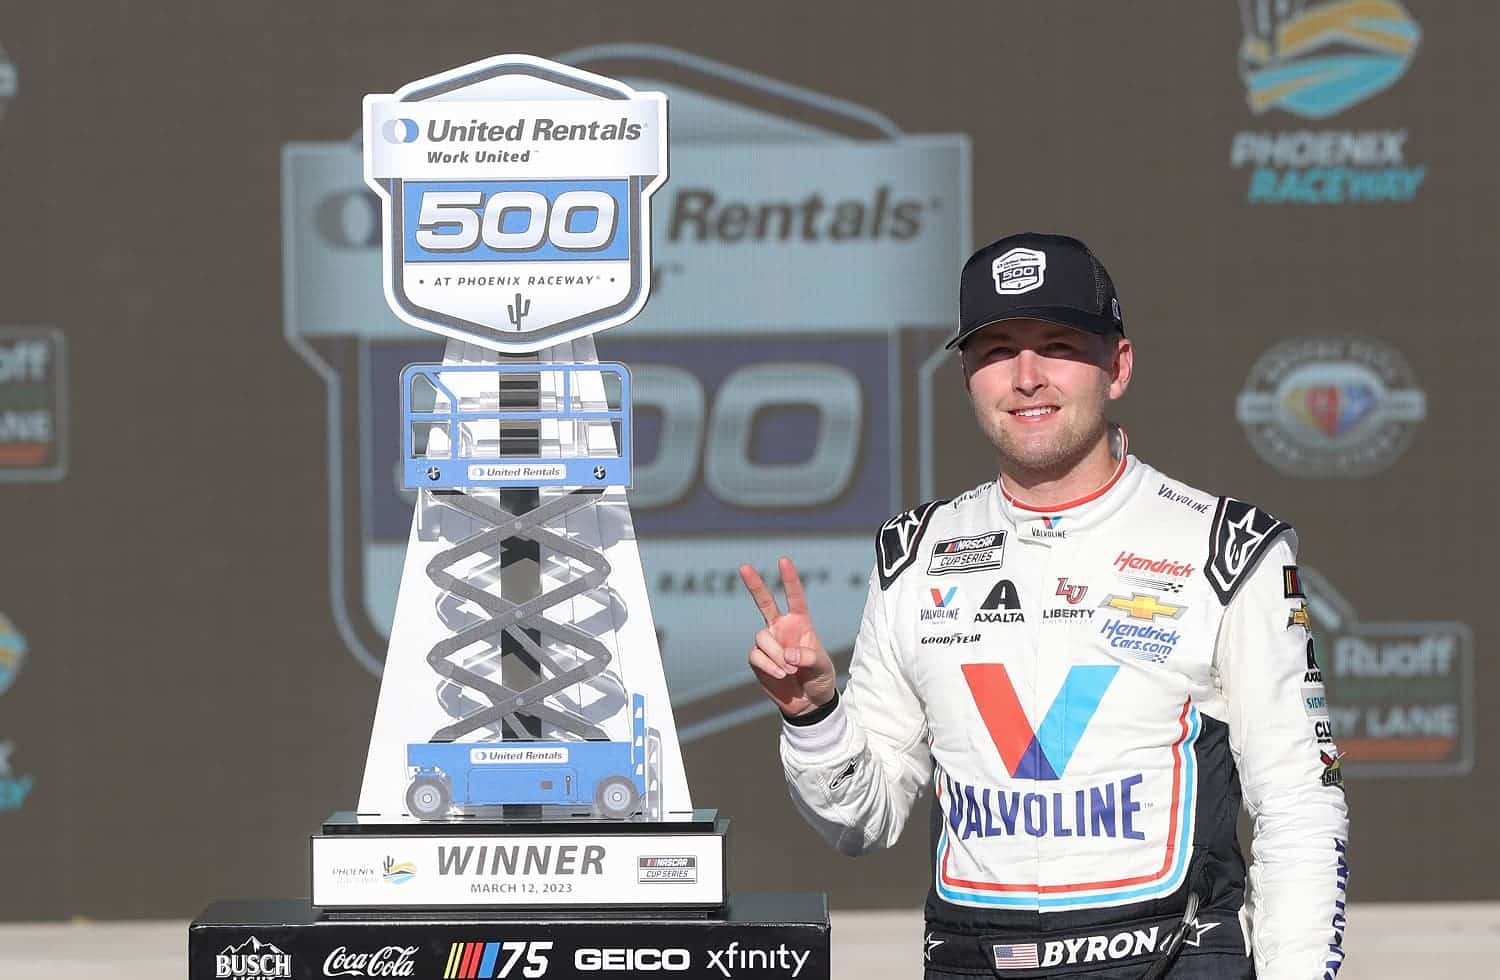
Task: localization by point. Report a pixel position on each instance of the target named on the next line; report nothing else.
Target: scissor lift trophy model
(524, 808)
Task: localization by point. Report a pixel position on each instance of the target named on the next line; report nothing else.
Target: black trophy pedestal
(754, 936)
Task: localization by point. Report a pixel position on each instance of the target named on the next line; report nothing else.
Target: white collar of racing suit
(1043, 524)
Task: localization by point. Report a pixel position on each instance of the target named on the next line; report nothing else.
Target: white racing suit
(1090, 691)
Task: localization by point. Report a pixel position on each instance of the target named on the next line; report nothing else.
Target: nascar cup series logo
(1314, 59)
(1331, 406)
(517, 193)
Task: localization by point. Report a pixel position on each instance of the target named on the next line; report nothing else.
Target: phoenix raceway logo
(398, 872)
(1399, 694)
(1331, 407)
(1315, 59)
(802, 428)
(253, 960)
(33, 405)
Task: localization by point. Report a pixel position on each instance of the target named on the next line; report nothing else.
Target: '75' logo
(1040, 753)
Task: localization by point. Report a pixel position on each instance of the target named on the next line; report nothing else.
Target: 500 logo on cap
(1019, 271)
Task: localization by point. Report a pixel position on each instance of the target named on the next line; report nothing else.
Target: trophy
(524, 808)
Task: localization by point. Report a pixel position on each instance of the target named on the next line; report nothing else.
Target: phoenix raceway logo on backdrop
(33, 405)
(1331, 407)
(1400, 695)
(1314, 59)
(802, 256)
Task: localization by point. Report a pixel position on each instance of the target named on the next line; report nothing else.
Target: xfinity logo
(733, 957)
(253, 960)
(389, 961)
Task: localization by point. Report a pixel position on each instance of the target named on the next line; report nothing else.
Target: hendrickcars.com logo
(1315, 59)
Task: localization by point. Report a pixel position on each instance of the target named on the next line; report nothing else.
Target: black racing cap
(1037, 277)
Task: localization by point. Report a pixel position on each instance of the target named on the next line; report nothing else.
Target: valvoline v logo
(941, 599)
(1042, 752)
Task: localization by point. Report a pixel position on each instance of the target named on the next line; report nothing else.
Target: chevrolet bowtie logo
(1141, 606)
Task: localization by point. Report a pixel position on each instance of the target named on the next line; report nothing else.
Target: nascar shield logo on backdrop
(516, 191)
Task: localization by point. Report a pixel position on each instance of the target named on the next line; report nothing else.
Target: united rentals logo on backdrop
(33, 405)
(1315, 59)
(803, 258)
(1331, 407)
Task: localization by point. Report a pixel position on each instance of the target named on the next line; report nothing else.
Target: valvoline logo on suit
(1063, 788)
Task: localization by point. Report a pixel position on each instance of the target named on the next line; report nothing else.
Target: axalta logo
(12, 653)
(1315, 59)
(1331, 406)
(1042, 752)
(1002, 605)
(252, 960)
(1129, 561)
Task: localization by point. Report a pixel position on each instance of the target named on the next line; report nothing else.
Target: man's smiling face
(1039, 390)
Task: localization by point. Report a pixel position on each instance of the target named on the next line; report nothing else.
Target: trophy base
(407, 867)
(755, 935)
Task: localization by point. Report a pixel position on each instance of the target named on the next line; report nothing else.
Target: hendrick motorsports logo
(33, 405)
(518, 197)
(1400, 694)
(1331, 406)
(1315, 59)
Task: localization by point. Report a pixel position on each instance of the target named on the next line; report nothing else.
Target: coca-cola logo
(391, 961)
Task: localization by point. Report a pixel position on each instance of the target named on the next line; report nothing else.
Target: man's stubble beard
(1049, 460)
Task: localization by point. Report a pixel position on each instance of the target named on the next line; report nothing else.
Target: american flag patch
(1021, 957)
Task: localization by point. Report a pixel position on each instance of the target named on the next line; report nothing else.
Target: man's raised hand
(787, 658)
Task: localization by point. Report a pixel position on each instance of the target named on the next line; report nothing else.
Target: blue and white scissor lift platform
(456, 431)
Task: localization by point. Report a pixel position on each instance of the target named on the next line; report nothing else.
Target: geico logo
(632, 959)
(457, 221)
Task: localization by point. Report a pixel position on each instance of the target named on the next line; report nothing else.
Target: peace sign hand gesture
(788, 659)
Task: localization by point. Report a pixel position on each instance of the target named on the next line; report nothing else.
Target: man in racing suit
(1092, 664)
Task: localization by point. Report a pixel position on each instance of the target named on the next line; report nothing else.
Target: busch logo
(388, 961)
(252, 960)
(557, 250)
